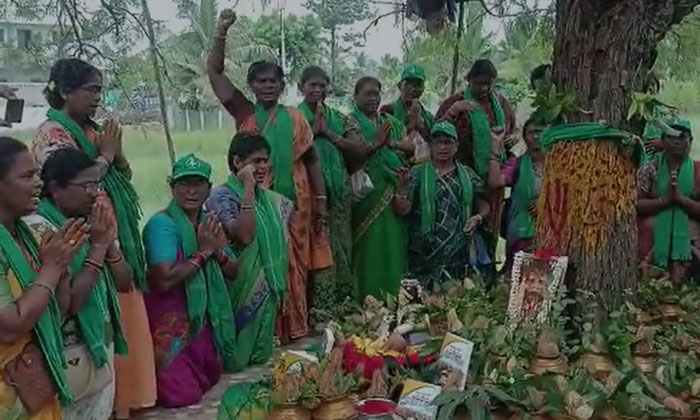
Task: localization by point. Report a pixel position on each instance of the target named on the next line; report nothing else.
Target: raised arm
(228, 94)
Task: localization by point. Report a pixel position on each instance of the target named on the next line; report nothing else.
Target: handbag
(30, 378)
(361, 185)
(84, 378)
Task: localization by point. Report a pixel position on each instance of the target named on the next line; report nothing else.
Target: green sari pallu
(262, 280)
(333, 285)
(525, 186)
(400, 113)
(335, 174)
(428, 197)
(672, 226)
(100, 304)
(481, 131)
(380, 236)
(278, 129)
(124, 199)
(47, 329)
(206, 292)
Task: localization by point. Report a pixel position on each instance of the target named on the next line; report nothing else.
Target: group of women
(319, 207)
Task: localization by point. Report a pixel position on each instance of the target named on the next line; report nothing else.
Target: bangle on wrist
(93, 265)
(321, 197)
(117, 260)
(247, 207)
(40, 285)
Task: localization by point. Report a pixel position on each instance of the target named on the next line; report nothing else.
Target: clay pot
(670, 310)
(598, 364)
(289, 412)
(542, 365)
(341, 408)
(644, 362)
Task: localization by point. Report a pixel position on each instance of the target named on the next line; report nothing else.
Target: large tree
(604, 49)
(337, 17)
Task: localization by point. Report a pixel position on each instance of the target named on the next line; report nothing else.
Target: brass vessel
(335, 409)
(644, 362)
(598, 364)
(670, 310)
(289, 412)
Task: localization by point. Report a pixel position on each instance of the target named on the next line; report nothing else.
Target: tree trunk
(604, 50)
(159, 81)
(333, 56)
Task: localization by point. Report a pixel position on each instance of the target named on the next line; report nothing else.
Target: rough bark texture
(604, 49)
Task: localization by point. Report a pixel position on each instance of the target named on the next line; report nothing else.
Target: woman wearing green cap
(445, 207)
(189, 308)
(408, 108)
(92, 330)
(669, 205)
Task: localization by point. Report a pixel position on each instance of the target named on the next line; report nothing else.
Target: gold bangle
(44, 286)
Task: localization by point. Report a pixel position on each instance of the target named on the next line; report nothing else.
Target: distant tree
(336, 16)
(304, 45)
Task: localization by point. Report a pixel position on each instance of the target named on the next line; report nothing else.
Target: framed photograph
(534, 284)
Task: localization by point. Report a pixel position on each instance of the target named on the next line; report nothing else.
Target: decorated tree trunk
(587, 208)
(604, 49)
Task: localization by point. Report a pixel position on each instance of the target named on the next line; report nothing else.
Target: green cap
(445, 128)
(679, 123)
(191, 165)
(413, 72)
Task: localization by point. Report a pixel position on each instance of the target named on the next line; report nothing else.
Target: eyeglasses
(88, 186)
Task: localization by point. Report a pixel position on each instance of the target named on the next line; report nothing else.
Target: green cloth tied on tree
(206, 291)
(278, 129)
(123, 196)
(332, 163)
(590, 131)
(525, 187)
(428, 198)
(269, 239)
(48, 328)
(672, 225)
(247, 401)
(102, 303)
(481, 130)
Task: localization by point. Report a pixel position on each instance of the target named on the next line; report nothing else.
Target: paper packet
(416, 400)
(455, 355)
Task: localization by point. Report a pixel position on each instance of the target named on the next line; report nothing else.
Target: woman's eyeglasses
(88, 186)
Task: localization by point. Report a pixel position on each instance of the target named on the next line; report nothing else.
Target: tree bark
(159, 81)
(604, 50)
(333, 56)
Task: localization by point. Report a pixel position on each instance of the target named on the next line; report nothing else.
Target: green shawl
(672, 226)
(332, 163)
(48, 328)
(428, 198)
(101, 302)
(206, 291)
(588, 131)
(481, 130)
(382, 165)
(525, 188)
(124, 199)
(269, 239)
(278, 129)
(401, 114)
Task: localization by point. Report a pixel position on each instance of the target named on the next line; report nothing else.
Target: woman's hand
(497, 135)
(460, 107)
(473, 223)
(210, 236)
(58, 249)
(103, 230)
(320, 124)
(403, 175)
(226, 19)
(109, 140)
(415, 119)
(247, 176)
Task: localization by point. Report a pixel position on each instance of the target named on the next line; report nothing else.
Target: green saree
(332, 286)
(379, 235)
(262, 280)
